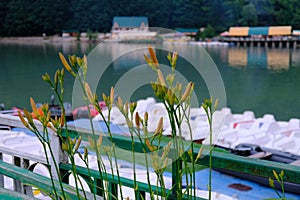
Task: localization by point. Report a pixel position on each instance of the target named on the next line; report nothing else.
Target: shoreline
(40, 40)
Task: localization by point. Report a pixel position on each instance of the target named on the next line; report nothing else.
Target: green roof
(263, 30)
(130, 22)
(186, 30)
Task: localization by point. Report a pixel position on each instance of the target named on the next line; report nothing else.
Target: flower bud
(187, 92)
(161, 79)
(72, 60)
(89, 93)
(137, 120)
(159, 128)
(46, 77)
(271, 182)
(77, 144)
(33, 106)
(85, 155)
(64, 62)
(112, 95)
(132, 107)
(99, 141)
(22, 119)
(146, 117)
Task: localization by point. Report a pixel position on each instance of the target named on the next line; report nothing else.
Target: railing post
(58, 155)
(141, 195)
(113, 190)
(99, 187)
(1, 176)
(17, 184)
(26, 188)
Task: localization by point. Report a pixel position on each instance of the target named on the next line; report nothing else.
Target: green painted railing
(29, 179)
(113, 181)
(221, 160)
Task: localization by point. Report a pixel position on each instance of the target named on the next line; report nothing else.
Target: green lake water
(264, 80)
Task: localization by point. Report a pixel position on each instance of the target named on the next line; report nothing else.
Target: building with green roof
(125, 23)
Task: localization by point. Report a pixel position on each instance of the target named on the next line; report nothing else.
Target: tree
(287, 12)
(22, 19)
(34, 17)
(265, 11)
(3, 11)
(232, 11)
(249, 16)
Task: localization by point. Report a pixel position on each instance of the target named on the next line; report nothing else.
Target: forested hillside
(34, 17)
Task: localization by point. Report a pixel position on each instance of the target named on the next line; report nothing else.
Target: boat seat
(296, 163)
(260, 155)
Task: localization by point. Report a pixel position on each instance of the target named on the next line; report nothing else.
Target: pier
(282, 42)
(272, 36)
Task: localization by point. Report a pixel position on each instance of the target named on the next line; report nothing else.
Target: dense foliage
(34, 17)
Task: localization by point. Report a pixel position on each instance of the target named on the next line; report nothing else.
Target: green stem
(56, 168)
(176, 164)
(80, 182)
(74, 174)
(282, 189)
(147, 164)
(186, 174)
(133, 159)
(162, 184)
(47, 141)
(210, 154)
(86, 162)
(187, 116)
(49, 168)
(99, 160)
(118, 173)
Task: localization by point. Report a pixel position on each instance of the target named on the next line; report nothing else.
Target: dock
(280, 42)
(265, 36)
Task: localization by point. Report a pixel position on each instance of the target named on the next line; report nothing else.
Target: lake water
(264, 80)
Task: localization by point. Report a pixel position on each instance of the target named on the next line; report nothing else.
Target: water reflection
(278, 60)
(237, 57)
(22, 66)
(259, 57)
(135, 53)
(295, 60)
(255, 87)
